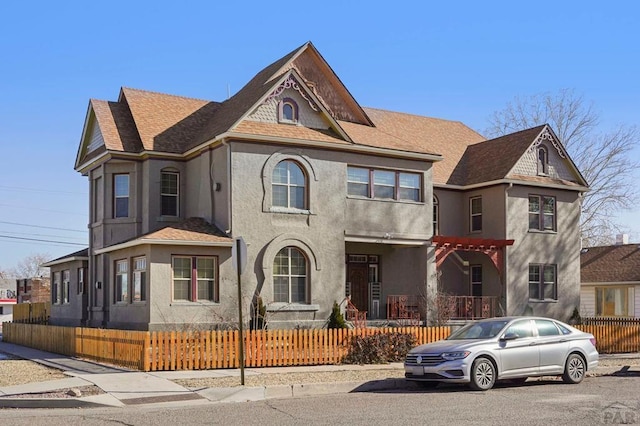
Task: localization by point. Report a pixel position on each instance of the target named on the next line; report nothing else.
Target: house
(395, 212)
(33, 290)
(7, 299)
(610, 280)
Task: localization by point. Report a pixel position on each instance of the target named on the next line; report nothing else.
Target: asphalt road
(598, 400)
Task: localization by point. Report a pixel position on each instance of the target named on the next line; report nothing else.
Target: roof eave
(152, 241)
(64, 260)
(507, 181)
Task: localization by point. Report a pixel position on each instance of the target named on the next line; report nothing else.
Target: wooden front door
(358, 276)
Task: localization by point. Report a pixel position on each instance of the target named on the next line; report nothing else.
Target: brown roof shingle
(192, 229)
(610, 264)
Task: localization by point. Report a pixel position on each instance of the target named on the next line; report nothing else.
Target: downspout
(229, 186)
(505, 253)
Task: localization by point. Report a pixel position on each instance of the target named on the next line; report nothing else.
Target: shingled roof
(610, 264)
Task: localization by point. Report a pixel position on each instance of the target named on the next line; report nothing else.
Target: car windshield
(479, 330)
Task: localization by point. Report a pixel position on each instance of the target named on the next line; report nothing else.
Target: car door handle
(533, 344)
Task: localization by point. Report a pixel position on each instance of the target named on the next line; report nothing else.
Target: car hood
(448, 346)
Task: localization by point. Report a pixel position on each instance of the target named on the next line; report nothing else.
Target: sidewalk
(127, 387)
(124, 387)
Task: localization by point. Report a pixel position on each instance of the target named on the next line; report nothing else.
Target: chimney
(622, 239)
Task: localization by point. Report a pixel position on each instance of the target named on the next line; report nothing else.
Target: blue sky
(459, 61)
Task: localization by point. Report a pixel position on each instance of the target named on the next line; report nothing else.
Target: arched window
(290, 276)
(436, 216)
(288, 111)
(289, 185)
(543, 160)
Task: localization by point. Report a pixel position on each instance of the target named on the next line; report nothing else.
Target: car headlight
(450, 356)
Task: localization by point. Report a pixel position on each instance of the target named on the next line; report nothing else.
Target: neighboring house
(33, 290)
(332, 199)
(610, 281)
(68, 292)
(7, 299)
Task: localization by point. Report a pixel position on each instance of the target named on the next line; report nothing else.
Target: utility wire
(43, 210)
(43, 235)
(42, 241)
(17, 188)
(43, 227)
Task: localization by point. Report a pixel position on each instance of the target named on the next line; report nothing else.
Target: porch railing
(403, 308)
(468, 307)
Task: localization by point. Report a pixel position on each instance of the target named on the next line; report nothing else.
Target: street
(598, 400)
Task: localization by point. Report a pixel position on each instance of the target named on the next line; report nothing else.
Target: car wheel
(574, 369)
(483, 374)
(428, 385)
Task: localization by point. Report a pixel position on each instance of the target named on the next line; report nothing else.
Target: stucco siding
(560, 247)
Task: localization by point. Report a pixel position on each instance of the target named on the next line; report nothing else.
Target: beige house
(610, 278)
(332, 199)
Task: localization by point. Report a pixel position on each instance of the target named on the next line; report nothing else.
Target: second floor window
(288, 111)
(289, 186)
(476, 280)
(384, 184)
(169, 194)
(542, 213)
(475, 209)
(121, 195)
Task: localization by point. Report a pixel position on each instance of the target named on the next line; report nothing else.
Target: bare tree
(29, 267)
(603, 158)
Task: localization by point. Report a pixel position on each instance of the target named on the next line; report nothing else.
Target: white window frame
(291, 186)
(56, 289)
(290, 277)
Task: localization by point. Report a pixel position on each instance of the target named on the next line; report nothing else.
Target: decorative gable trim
(291, 83)
(546, 135)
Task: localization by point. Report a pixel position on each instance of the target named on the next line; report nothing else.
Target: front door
(358, 276)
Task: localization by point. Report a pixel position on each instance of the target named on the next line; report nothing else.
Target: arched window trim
(313, 266)
(294, 111)
(267, 177)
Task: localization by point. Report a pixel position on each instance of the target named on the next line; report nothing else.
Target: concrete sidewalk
(124, 387)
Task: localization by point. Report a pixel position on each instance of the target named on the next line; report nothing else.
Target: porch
(409, 309)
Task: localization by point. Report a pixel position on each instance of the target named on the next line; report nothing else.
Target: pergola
(494, 249)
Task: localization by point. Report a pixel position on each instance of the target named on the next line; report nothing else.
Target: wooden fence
(161, 351)
(34, 313)
(175, 350)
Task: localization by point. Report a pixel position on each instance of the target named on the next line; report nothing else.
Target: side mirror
(509, 336)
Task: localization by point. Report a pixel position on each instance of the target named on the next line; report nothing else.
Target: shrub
(379, 348)
(336, 319)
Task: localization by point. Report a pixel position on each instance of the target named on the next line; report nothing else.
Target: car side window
(547, 328)
(521, 329)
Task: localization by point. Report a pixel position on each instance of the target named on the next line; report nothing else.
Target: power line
(43, 210)
(42, 241)
(17, 188)
(43, 227)
(43, 235)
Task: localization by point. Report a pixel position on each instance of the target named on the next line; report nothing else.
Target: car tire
(483, 374)
(574, 369)
(428, 385)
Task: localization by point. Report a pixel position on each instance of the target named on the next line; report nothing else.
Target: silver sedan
(512, 348)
